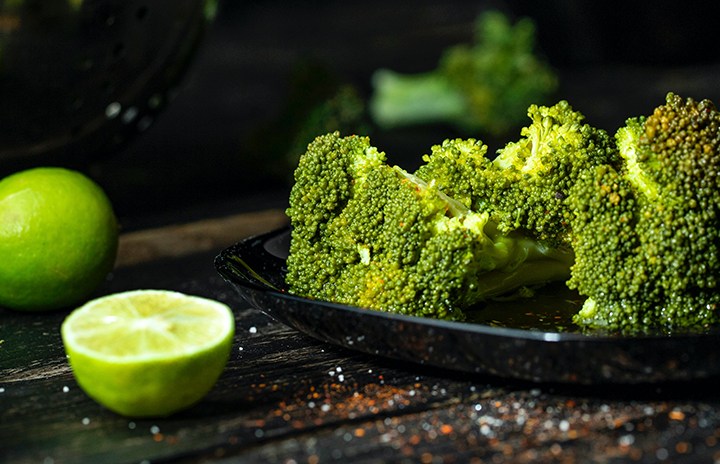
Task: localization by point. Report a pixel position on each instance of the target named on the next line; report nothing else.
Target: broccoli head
(484, 86)
(375, 236)
(457, 167)
(646, 230)
(526, 186)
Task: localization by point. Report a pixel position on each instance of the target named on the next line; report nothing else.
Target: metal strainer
(79, 77)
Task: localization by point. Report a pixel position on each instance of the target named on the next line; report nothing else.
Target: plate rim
(222, 262)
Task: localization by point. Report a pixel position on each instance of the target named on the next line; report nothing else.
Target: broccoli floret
(646, 231)
(317, 102)
(525, 187)
(457, 167)
(484, 86)
(375, 236)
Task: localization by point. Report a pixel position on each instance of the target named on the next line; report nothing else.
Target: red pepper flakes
(341, 400)
(682, 447)
(619, 422)
(519, 427)
(676, 415)
(297, 424)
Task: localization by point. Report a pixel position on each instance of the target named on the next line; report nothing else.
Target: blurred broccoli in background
(484, 87)
(318, 102)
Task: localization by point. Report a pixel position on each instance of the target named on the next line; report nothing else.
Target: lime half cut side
(148, 353)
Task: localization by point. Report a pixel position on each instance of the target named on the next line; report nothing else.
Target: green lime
(58, 238)
(148, 353)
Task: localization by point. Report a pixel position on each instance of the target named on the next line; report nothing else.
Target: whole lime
(58, 238)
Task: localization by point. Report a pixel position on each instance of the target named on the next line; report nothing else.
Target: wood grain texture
(182, 239)
(285, 398)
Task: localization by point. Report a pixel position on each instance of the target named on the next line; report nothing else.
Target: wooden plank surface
(183, 239)
(287, 398)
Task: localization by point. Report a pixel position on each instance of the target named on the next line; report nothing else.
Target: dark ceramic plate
(529, 339)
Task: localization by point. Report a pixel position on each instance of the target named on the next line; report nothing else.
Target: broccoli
(646, 229)
(460, 168)
(526, 186)
(483, 86)
(318, 101)
(375, 236)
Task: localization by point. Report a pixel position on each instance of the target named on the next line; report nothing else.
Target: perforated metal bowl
(80, 77)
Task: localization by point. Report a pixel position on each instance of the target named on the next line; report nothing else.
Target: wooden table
(287, 398)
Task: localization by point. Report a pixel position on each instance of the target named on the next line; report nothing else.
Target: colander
(80, 77)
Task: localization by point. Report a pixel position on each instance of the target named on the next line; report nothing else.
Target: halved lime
(148, 353)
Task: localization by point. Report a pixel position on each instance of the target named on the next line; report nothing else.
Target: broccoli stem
(412, 99)
(527, 263)
(513, 260)
(527, 274)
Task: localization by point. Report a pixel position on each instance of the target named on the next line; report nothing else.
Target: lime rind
(58, 238)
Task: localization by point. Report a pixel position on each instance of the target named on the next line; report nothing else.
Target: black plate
(528, 339)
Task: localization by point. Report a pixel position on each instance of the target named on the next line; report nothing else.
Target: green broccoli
(525, 187)
(634, 221)
(484, 86)
(646, 230)
(318, 101)
(460, 168)
(375, 236)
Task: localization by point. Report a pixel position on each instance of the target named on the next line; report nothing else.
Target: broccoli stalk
(484, 86)
(375, 236)
(646, 230)
(416, 99)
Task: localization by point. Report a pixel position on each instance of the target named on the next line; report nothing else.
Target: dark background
(615, 60)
